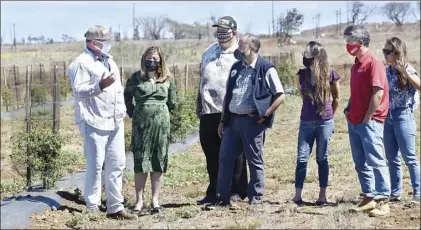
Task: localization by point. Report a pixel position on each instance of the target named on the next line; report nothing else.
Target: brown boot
(367, 204)
(122, 215)
(382, 210)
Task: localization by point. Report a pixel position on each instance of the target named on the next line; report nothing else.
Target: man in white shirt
(99, 113)
(216, 63)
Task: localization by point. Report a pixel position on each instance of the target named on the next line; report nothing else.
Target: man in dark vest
(254, 92)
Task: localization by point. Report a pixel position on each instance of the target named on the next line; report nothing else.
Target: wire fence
(31, 96)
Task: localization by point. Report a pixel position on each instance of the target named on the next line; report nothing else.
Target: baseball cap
(226, 22)
(98, 32)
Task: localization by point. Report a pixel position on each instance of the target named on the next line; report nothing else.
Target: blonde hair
(399, 48)
(163, 72)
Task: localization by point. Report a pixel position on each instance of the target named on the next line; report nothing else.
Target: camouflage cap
(98, 32)
(226, 22)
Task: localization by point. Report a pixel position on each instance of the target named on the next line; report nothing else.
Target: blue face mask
(240, 55)
(151, 65)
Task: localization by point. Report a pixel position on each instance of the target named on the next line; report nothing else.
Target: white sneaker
(416, 200)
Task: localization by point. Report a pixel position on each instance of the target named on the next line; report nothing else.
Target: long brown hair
(399, 48)
(320, 92)
(163, 72)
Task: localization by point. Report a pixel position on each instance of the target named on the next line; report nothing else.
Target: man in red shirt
(366, 111)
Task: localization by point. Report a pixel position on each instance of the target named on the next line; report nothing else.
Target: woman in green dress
(153, 90)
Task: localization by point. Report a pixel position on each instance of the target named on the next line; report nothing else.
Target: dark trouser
(242, 134)
(211, 143)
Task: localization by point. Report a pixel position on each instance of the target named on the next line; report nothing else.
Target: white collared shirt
(215, 68)
(104, 109)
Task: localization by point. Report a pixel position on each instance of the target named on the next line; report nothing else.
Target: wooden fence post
(28, 121)
(64, 71)
(122, 75)
(40, 74)
(56, 101)
(15, 69)
(186, 74)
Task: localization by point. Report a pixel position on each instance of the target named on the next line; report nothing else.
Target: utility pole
(347, 13)
(337, 22)
(14, 36)
(134, 27)
(269, 29)
(317, 25)
(11, 37)
(314, 27)
(340, 22)
(273, 21)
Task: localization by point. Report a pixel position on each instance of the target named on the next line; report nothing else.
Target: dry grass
(186, 182)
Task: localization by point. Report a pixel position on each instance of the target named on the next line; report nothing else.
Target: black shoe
(204, 200)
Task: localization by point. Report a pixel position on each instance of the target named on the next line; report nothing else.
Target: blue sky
(54, 18)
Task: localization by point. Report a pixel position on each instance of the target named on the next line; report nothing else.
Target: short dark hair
(253, 39)
(358, 33)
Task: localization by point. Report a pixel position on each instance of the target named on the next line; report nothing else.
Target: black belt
(252, 114)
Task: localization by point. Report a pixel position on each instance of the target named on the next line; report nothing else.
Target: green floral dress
(150, 121)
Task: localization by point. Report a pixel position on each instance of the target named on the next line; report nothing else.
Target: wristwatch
(265, 117)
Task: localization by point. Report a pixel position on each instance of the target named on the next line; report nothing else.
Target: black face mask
(151, 65)
(239, 55)
(307, 62)
(223, 36)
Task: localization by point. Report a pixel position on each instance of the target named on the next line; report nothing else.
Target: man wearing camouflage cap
(99, 113)
(216, 63)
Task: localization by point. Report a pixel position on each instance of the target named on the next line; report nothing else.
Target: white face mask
(106, 46)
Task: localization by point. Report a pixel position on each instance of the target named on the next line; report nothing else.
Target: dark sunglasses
(387, 52)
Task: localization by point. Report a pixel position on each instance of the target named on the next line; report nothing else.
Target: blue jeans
(367, 146)
(242, 135)
(321, 131)
(399, 136)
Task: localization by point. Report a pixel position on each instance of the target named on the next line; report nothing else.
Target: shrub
(39, 94)
(287, 72)
(65, 88)
(40, 150)
(183, 118)
(127, 134)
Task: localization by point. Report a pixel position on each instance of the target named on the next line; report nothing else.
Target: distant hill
(384, 27)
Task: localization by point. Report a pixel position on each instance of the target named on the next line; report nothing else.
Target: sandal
(298, 202)
(156, 209)
(321, 202)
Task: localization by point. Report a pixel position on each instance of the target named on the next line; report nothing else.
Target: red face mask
(353, 49)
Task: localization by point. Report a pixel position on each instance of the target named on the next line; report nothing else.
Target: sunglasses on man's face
(387, 52)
